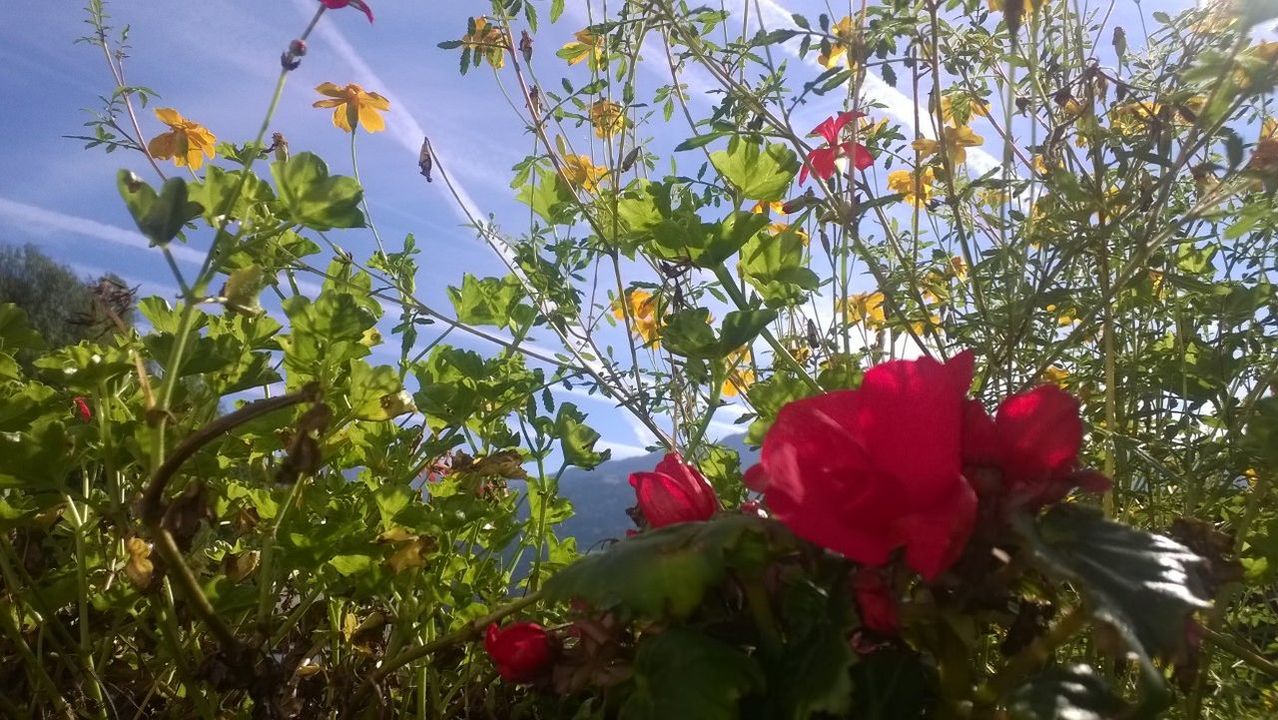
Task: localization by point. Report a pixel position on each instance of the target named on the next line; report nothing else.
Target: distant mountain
(600, 496)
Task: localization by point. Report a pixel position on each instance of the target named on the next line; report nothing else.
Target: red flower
(522, 651)
(1032, 444)
(82, 409)
(822, 162)
(674, 492)
(875, 602)
(864, 472)
(339, 4)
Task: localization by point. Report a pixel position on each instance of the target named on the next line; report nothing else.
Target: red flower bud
(82, 409)
(875, 602)
(674, 492)
(358, 4)
(522, 652)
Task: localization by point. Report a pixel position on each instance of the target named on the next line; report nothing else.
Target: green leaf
(159, 217)
(556, 9)
(377, 393)
(688, 333)
(814, 675)
(577, 439)
(758, 172)
(312, 198)
(1143, 585)
(682, 673)
(549, 196)
(16, 332)
(1262, 431)
(665, 572)
(892, 684)
(742, 326)
(37, 459)
(767, 397)
(217, 193)
(774, 265)
(728, 237)
(1072, 692)
(1258, 11)
(490, 301)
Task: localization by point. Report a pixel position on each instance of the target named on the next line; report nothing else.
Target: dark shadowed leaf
(684, 674)
(1073, 692)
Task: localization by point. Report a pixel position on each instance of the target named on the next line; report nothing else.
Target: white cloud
(30, 216)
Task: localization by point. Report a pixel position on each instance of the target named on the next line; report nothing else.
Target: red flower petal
(910, 418)
(521, 651)
(861, 157)
(359, 5)
(821, 161)
(831, 127)
(1039, 432)
(936, 537)
(82, 409)
(980, 437)
(875, 602)
(675, 492)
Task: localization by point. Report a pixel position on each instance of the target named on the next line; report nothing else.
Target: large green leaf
(1144, 585)
(774, 265)
(490, 301)
(1262, 431)
(1073, 692)
(682, 673)
(548, 196)
(577, 439)
(159, 217)
(688, 333)
(760, 172)
(312, 198)
(16, 332)
(892, 683)
(665, 572)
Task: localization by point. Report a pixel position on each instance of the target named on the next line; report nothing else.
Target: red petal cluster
(1032, 444)
(522, 652)
(673, 492)
(822, 161)
(875, 602)
(358, 4)
(886, 466)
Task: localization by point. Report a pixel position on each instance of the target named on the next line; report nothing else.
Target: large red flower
(823, 161)
(673, 492)
(876, 602)
(1032, 445)
(864, 472)
(522, 651)
(358, 4)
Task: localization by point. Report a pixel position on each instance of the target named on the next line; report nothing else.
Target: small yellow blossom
(186, 142)
(487, 41)
(1027, 6)
(958, 266)
(1040, 166)
(588, 47)
(1134, 117)
(780, 228)
(1216, 18)
(993, 197)
(976, 107)
(925, 147)
(764, 208)
(608, 118)
(845, 32)
(1056, 376)
(353, 107)
(1158, 283)
(740, 368)
(957, 140)
(580, 172)
(1269, 128)
(864, 308)
(642, 306)
(1065, 317)
(915, 187)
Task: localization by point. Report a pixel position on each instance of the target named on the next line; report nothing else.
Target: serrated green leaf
(312, 198)
(683, 673)
(759, 172)
(577, 439)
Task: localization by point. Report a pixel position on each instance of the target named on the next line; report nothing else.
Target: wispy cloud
(33, 216)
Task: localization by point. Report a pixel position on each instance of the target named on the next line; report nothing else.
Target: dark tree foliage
(63, 307)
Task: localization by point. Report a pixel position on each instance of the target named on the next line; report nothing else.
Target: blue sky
(216, 63)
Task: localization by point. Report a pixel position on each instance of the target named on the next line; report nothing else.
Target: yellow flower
(1158, 283)
(1269, 128)
(1131, 118)
(1066, 317)
(187, 141)
(780, 228)
(925, 147)
(486, 40)
(1216, 18)
(1071, 108)
(915, 187)
(1056, 376)
(864, 308)
(958, 266)
(580, 172)
(353, 107)
(608, 118)
(974, 107)
(957, 140)
(1040, 166)
(1027, 6)
(740, 370)
(993, 197)
(588, 46)
(764, 208)
(845, 33)
(643, 314)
